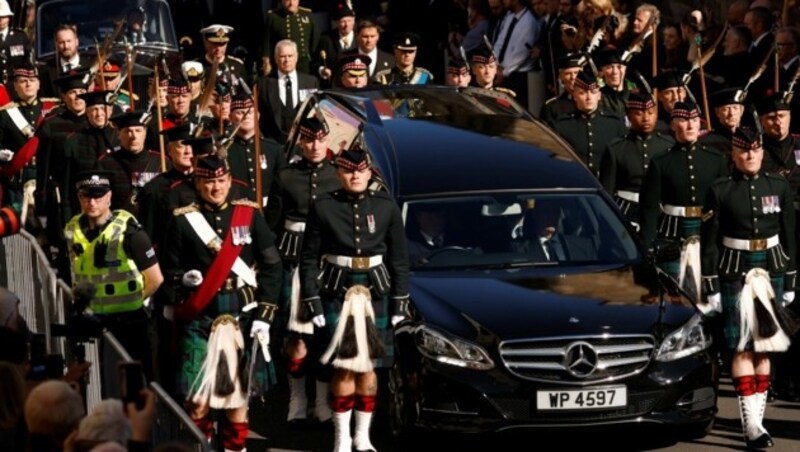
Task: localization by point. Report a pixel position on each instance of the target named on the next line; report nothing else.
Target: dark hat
(78, 80)
(26, 69)
(241, 101)
(606, 56)
(571, 60)
(342, 10)
(482, 55)
(97, 98)
(224, 90)
(200, 145)
(112, 67)
(163, 80)
(669, 79)
(178, 133)
(312, 128)
(746, 138)
(353, 160)
(638, 100)
(178, 86)
(211, 165)
(685, 110)
(457, 66)
(727, 96)
(217, 33)
(93, 183)
(586, 81)
(407, 41)
(355, 63)
(770, 104)
(131, 119)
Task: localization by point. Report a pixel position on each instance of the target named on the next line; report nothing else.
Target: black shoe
(762, 442)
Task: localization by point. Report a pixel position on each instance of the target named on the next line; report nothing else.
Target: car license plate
(582, 399)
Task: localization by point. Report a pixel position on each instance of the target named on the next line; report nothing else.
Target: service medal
(371, 223)
(797, 156)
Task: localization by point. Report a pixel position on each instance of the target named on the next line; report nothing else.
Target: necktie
(552, 255)
(345, 43)
(288, 93)
(504, 47)
(67, 67)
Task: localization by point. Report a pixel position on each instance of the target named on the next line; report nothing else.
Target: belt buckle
(758, 244)
(229, 284)
(694, 211)
(360, 263)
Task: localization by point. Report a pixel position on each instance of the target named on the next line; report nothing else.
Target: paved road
(270, 432)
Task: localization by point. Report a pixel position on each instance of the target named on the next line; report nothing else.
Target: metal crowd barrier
(44, 299)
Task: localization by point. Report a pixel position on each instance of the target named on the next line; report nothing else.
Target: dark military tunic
(615, 101)
(131, 173)
(230, 65)
(242, 156)
(783, 157)
(299, 28)
(590, 134)
(11, 136)
(395, 76)
(52, 135)
(81, 151)
(719, 140)
(555, 107)
(154, 210)
(679, 177)
(15, 50)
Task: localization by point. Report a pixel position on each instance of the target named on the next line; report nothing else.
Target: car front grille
(577, 360)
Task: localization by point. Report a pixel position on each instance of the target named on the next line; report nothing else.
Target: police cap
(93, 183)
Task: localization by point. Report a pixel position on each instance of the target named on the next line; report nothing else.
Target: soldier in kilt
(748, 274)
(358, 237)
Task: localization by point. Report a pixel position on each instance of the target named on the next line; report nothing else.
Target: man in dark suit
(333, 42)
(545, 238)
(281, 95)
(429, 235)
(67, 59)
(759, 21)
(367, 37)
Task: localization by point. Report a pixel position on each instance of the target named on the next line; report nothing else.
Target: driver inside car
(429, 234)
(545, 238)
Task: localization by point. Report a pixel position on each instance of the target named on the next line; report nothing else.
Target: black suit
(50, 72)
(330, 43)
(275, 119)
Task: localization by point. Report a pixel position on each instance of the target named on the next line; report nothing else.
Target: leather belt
(750, 245)
(357, 263)
(295, 226)
(628, 196)
(683, 211)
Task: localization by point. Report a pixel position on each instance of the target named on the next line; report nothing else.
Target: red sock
(234, 435)
(295, 367)
(205, 425)
(745, 385)
(365, 403)
(342, 404)
(762, 383)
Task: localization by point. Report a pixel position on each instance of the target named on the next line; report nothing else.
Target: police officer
(457, 73)
(307, 177)
(131, 164)
(589, 129)
(215, 39)
(354, 71)
(358, 236)
(625, 161)
(222, 256)
(746, 240)
(673, 190)
(290, 21)
(404, 72)
(109, 250)
(568, 68)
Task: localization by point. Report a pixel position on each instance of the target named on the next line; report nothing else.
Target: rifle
(698, 39)
(703, 57)
(789, 94)
(130, 52)
(636, 45)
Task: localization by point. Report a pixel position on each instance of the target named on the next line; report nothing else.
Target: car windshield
(147, 23)
(516, 230)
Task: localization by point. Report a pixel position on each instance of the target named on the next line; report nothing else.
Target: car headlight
(687, 340)
(452, 350)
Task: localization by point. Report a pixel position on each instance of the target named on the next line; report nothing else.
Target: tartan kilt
(730, 290)
(332, 306)
(193, 346)
(688, 227)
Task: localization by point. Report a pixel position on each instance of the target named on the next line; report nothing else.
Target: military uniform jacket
(185, 251)
(395, 76)
(748, 207)
(301, 183)
(783, 157)
(154, 211)
(365, 225)
(615, 101)
(242, 160)
(626, 160)
(15, 49)
(299, 28)
(555, 107)
(81, 151)
(50, 156)
(590, 134)
(11, 136)
(719, 140)
(231, 64)
(131, 173)
(679, 177)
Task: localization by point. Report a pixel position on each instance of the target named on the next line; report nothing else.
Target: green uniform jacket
(783, 157)
(297, 27)
(590, 134)
(626, 160)
(130, 173)
(81, 151)
(154, 211)
(50, 155)
(242, 158)
(555, 107)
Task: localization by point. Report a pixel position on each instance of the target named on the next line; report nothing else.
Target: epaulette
(304, 9)
(9, 105)
(775, 176)
(235, 59)
(505, 90)
(381, 73)
(422, 69)
(193, 207)
(244, 202)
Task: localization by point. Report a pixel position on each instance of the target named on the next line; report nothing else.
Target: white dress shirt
(523, 37)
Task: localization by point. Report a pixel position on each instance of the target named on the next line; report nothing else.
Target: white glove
(6, 155)
(397, 319)
(192, 278)
(788, 297)
(259, 326)
(318, 321)
(713, 306)
(169, 312)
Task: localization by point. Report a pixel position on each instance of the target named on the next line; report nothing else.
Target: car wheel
(401, 409)
(695, 431)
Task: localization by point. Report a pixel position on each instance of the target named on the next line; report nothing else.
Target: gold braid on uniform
(244, 202)
(193, 207)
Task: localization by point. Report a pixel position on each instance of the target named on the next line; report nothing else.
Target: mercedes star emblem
(580, 359)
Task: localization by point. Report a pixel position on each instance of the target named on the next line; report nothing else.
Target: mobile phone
(131, 383)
